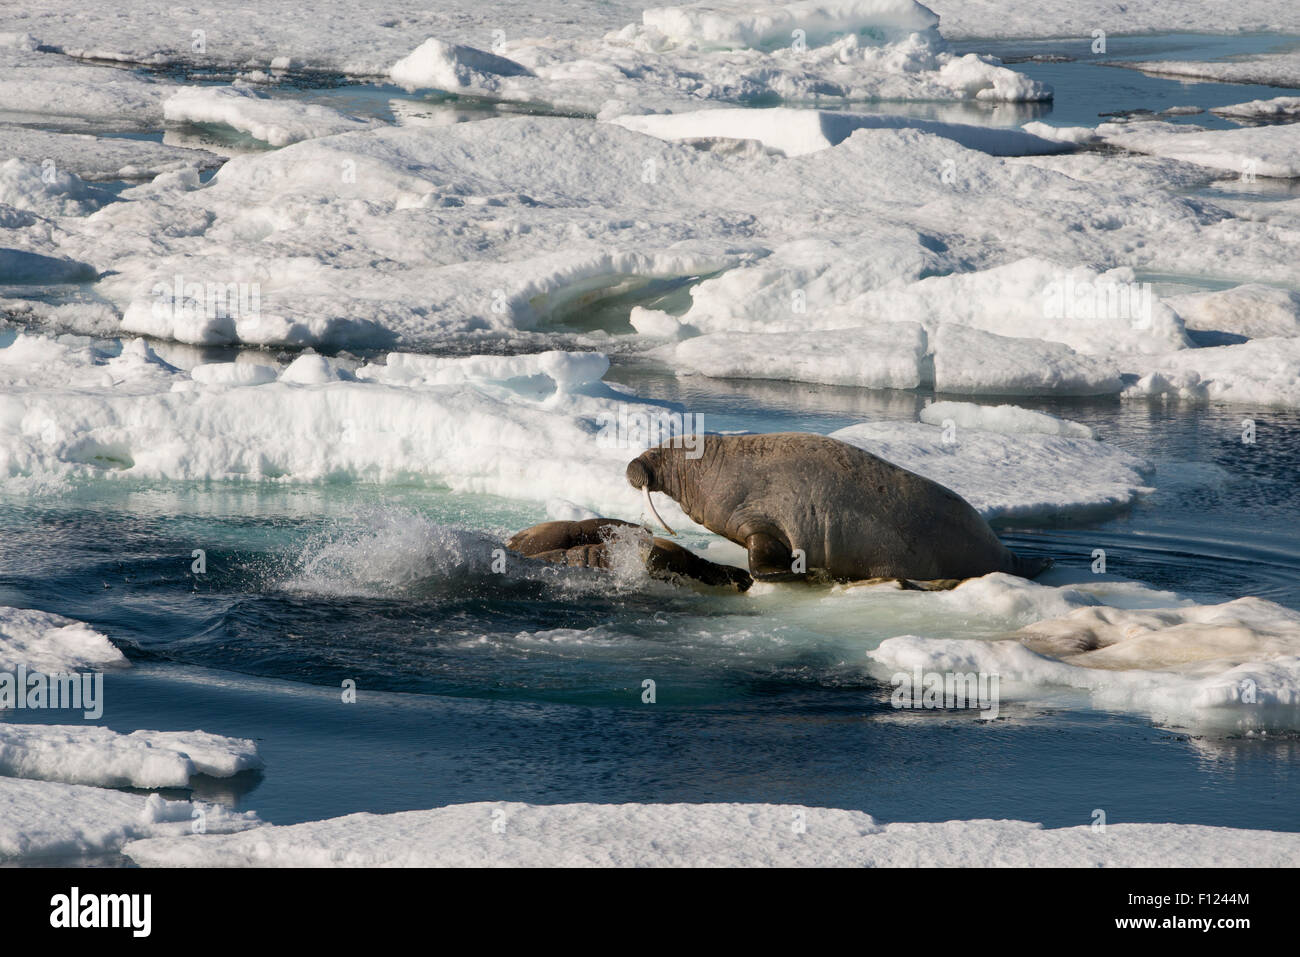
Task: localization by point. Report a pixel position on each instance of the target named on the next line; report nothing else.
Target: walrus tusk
(651, 505)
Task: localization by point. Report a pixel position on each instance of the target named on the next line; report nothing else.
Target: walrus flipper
(770, 559)
(1030, 567)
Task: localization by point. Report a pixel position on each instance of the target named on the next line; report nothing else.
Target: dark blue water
(475, 686)
(460, 701)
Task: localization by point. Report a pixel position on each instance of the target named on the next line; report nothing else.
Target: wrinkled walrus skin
(854, 515)
(585, 544)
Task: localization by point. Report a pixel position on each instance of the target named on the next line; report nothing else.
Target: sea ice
(44, 819)
(53, 644)
(276, 122)
(730, 835)
(92, 755)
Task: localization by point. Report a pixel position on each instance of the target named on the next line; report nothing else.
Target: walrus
(586, 544)
(851, 514)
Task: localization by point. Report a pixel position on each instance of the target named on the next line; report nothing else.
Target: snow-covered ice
(1252, 310)
(704, 835)
(1271, 69)
(1258, 372)
(1233, 666)
(1275, 108)
(794, 132)
(275, 122)
(1249, 151)
(1010, 419)
(97, 158)
(51, 644)
(1079, 18)
(530, 427)
(1016, 471)
(705, 54)
(97, 756)
(44, 819)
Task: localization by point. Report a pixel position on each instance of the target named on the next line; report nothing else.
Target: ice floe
(533, 427)
(1233, 666)
(648, 835)
(50, 90)
(1249, 151)
(1079, 18)
(1010, 419)
(1276, 108)
(45, 819)
(275, 122)
(1272, 69)
(1017, 472)
(97, 756)
(1258, 372)
(98, 158)
(308, 236)
(1252, 310)
(50, 644)
(703, 54)
(794, 132)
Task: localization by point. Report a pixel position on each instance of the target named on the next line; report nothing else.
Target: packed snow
(1250, 151)
(795, 132)
(1233, 666)
(97, 756)
(44, 819)
(704, 835)
(1013, 471)
(1275, 108)
(533, 427)
(1272, 69)
(1252, 310)
(1080, 18)
(703, 54)
(51, 644)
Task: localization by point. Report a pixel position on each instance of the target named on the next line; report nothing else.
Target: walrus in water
(851, 515)
(586, 544)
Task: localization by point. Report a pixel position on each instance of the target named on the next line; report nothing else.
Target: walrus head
(647, 473)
